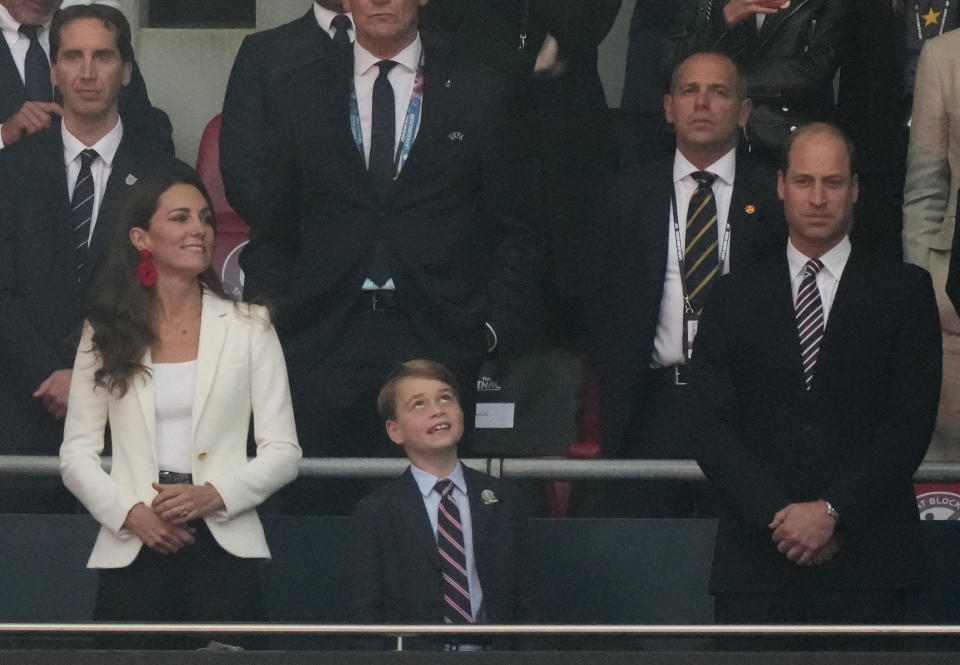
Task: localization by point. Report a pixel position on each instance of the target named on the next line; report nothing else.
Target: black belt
(174, 478)
(381, 300)
(672, 376)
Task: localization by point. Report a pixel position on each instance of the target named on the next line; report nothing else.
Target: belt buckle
(680, 377)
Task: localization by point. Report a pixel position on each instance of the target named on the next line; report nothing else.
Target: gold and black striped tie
(701, 256)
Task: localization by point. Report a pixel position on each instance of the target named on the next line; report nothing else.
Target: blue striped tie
(809, 309)
(81, 210)
(453, 557)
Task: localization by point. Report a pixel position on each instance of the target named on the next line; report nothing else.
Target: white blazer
(240, 368)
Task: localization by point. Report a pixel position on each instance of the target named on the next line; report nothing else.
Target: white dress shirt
(18, 43)
(401, 77)
(668, 344)
(325, 18)
(828, 278)
(100, 168)
(431, 502)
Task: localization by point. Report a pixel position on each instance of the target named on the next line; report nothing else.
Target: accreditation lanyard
(724, 246)
(411, 124)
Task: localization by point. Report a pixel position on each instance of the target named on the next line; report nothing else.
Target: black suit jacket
(629, 263)
(151, 124)
(397, 564)
(455, 245)
(42, 302)
(854, 439)
(264, 59)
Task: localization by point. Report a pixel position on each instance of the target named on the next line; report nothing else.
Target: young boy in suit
(441, 543)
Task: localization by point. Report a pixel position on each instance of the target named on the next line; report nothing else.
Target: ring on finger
(183, 513)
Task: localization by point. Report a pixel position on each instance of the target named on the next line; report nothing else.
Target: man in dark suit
(818, 371)
(646, 327)
(379, 247)
(51, 236)
(263, 59)
(442, 543)
(27, 102)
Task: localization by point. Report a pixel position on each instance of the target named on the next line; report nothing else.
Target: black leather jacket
(790, 62)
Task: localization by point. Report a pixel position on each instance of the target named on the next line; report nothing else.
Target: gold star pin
(931, 17)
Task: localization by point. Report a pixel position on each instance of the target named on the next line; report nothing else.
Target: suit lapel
(414, 520)
(124, 172)
(213, 332)
(845, 318)
(479, 515)
(10, 83)
(777, 310)
(143, 386)
(54, 180)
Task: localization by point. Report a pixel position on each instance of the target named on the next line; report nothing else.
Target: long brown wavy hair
(121, 310)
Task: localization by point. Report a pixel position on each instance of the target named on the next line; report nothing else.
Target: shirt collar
(325, 18)
(106, 147)
(724, 168)
(426, 480)
(833, 261)
(408, 58)
(11, 27)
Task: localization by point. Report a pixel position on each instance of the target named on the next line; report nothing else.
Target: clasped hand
(805, 533)
(163, 526)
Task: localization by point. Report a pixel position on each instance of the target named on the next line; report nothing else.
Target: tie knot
(385, 67)
(812, 267)
(444, 487)
(87, 156)
(341, 22)
(29, 31)
(704, 178)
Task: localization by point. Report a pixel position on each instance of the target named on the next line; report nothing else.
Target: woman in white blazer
(176, 369)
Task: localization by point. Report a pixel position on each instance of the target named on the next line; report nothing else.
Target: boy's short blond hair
(419, 368)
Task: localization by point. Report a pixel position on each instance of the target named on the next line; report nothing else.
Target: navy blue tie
(81, 209)
(341, 24)
(383, 130)
(36, 69)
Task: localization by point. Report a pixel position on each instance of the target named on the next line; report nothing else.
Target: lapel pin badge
(455, 136)
(750, 209)
(488, 497)
(448, 83)
(131, 179)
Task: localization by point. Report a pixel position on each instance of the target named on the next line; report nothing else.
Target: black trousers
(798, 605)
(200, 583)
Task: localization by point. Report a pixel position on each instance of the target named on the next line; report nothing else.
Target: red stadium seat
(232, 231)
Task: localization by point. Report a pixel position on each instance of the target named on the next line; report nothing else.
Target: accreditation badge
(690, 323)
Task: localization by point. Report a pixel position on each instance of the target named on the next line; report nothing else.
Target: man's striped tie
(701, 257)
(809, 310)
(81, 210)
(453, 557)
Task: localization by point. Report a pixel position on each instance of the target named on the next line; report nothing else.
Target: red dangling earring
(146, 271)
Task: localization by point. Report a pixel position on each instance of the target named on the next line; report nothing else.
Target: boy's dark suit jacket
(40, 297)
(397, 564)
(855, 438)
(628, 263)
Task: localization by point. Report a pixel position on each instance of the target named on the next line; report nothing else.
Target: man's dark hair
(741, 78)
(816, 128)
(113, 19)
(419, 368)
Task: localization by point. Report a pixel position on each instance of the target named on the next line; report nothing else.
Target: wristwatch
(831, 511)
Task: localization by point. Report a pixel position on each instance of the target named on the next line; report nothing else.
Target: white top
(173, 390)
(668, 344)
(828, 278)
(431, 501)
(325, 18)
(100, 168)
(401, 77)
